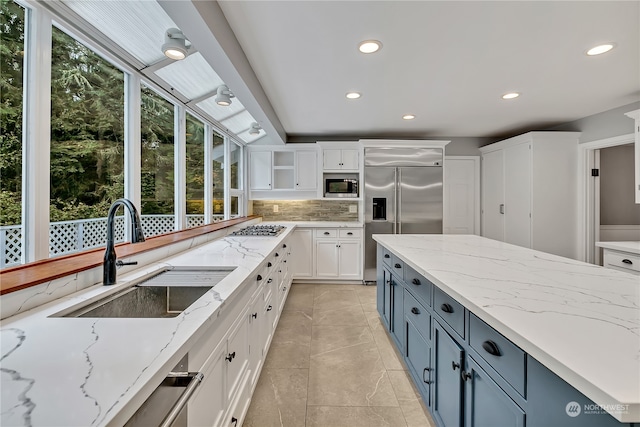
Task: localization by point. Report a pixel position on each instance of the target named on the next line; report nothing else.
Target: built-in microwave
(339, 187)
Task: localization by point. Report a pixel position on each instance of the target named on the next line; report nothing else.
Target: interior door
(493, 195)
(419, 200)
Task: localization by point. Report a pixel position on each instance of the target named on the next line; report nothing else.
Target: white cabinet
(340, 159)
(338, 253)
(635, 115)
(306, 170)
(208, 404)
(529, 187)
(301, 260)
(260, 170)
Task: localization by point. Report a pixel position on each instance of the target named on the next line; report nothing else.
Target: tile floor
(331, 364)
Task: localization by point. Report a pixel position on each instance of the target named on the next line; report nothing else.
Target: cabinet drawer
(622, 260)
(350, 233)
(386, 256)
(449, 310)
(326, 232)
(417, 314)
(418, 285)
(397, 267)
(503, 356)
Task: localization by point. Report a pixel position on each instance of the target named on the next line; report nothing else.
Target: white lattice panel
(11, 242)
(195, 220)
(63, 238)
(94, 232)
(154, 225)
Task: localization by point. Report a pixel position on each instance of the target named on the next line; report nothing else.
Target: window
(235, 152)
(195, 172)
(12, 47)
(87, 145)
(218, 177)
(157, 169)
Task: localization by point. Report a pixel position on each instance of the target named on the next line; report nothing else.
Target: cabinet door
(384, 297)
(486, 404)
(350, 159)
(447, 405)
(268, 324)
(301, 258)
(260, 170)
(493, 195)
(517, 195)
(418, 356)
(306, 170)
(331, 159)
(237, 356)
(255, 319)
(209, 402)
(350, 259)
(460, 196)
(397, 312)
(327, 258)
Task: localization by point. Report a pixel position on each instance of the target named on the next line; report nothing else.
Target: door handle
(502, 208)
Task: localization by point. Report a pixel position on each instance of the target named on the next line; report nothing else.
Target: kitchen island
(560, 324)
(61, 371)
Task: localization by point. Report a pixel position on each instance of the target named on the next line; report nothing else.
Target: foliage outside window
(87, 131)
(218, 177)
(12, 27)
(234, 162)
(195, 169)
(157, 167)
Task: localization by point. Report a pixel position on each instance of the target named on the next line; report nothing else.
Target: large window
(195, 172)
(218, 177)
(87, 142)
(157, 179)
(12, 47)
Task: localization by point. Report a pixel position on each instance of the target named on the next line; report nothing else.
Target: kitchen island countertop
(580, 320)
(630, 247)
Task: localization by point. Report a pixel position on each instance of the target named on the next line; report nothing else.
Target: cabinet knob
(415, 282)
(270, 308)
(270, 280)
(491, 348)
(284, 245)
(454, 365)
(387, 256)
(269, 264)
(425, 371)
(502, 208)
(284, 289)
(326, 233)
(415, 310)
(234, 421)
(277, 254)
(259, 277)
(254, 315)
(230, 356)
(465, 375)
(350, 233)
(446, 308)
(627, 261)
(398, 265)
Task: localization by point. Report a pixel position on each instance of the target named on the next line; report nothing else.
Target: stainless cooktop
(260, 230)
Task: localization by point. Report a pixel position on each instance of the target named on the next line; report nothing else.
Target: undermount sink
(162, 294)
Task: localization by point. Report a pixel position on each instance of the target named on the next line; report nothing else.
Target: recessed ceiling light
(408, 117)
(510, 95)
(598, 50)
(353, 95)
(369, 46)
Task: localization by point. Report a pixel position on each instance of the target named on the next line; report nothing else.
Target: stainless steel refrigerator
(402, 195)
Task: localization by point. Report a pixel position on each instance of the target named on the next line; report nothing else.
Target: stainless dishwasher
(167, 405)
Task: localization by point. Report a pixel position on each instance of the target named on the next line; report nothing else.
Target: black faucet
(110, 263)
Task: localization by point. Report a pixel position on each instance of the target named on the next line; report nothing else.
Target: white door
(517, 195)
(493, 195)
(331, 159)
(461, 195)
(260, 170)
(327, 259)
(306, 173)
(350, 159)
(350, 262)
(301, 259)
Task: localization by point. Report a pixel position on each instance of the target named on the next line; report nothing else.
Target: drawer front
(397, 267)
(386, 256)
(449, 310)
(622, 260)
(418, 285)
(503, 356)
(418, 315)
(350, 233)
(326, 233)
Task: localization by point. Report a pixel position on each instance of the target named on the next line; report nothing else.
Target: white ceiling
(447, 62)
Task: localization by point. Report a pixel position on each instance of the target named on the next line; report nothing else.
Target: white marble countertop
(321, 224)
(579, 320)
(630, 247)
(97, 372)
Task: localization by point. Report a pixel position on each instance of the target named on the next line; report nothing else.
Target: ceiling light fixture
(353, 95)
(599, 50)
(175, 44)
(369, 46)
(408, 117)
(254, 129)
(223, 96)
(510, 95)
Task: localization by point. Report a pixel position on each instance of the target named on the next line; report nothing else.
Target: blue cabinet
(384, 294)
(486, 404)
(390, 303)
(447, 395)
(418, 353)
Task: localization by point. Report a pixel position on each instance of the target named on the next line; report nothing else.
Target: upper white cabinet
(635, 115)
(529, 187)
(290, 171)
(340, 159)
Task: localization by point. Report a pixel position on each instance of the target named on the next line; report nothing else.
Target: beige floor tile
(416, 415)
(345, 316)
(280, 399)
(334, 299)
(391, 357)
(300, 297)
(291, 342)
(409, 400)
(325, 339)
(327, 416)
